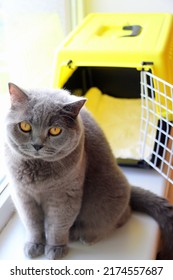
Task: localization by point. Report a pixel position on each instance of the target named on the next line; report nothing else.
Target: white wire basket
(156, 133)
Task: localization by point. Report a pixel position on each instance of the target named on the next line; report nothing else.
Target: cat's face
(43, 124)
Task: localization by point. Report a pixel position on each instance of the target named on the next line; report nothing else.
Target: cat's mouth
(40, 154)
(37, 154)
(31, 154)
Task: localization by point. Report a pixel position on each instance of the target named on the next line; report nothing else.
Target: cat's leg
(90, 232)
(90, 228)
(57, 238)
(32, 217)
(85, 232)
(57, 234)
(58, 221)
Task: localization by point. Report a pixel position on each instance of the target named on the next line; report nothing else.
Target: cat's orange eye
(54, 131)
(25, 126)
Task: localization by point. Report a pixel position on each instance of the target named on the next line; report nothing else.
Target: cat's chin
(37, 157)
(44, 157)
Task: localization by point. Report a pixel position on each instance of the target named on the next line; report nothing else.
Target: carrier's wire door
(157, 124)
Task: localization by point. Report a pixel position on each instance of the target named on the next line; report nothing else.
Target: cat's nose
(37, 147)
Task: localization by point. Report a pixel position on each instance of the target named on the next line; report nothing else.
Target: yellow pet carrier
(104, 59)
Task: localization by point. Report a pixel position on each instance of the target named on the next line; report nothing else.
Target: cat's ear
(74, 108)
(16, 94)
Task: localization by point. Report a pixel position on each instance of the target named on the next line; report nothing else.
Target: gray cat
(66, 184)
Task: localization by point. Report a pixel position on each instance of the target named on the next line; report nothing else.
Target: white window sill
(138, 239)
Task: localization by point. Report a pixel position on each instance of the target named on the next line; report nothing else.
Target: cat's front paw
(56, 252)
(33, 250)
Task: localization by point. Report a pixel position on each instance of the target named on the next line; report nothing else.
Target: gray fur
(72, 187)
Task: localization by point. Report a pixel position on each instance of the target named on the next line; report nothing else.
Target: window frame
(7, 208)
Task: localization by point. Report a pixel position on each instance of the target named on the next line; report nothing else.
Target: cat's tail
(160, 209)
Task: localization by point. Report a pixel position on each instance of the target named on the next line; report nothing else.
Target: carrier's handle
(136, 30)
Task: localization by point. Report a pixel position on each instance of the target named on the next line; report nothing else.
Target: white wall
(123, 6)
(32, 31)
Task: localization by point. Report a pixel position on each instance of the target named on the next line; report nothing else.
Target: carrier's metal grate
(157, 124)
